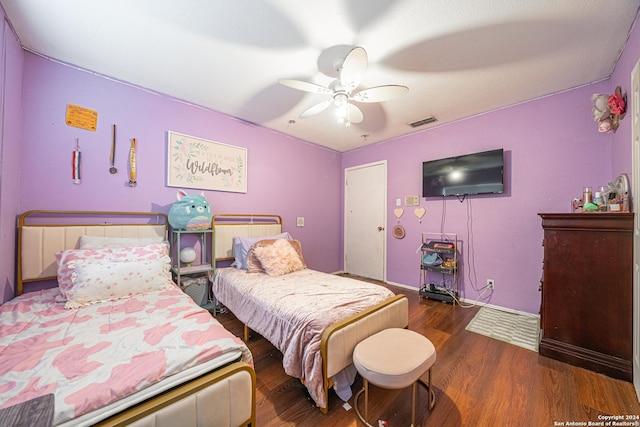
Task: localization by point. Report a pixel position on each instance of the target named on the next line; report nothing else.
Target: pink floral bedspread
(292, 312)
(94, 355)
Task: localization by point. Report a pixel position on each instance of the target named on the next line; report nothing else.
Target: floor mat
(517, 329)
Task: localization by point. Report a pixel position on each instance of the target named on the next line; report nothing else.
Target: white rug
(517, 329)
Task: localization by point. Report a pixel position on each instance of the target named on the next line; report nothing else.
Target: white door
(365, 220)
(635, 197)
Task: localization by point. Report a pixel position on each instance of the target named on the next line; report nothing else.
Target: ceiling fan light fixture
(344, 120)
(342, 110)
(340, 101)
(351, 72)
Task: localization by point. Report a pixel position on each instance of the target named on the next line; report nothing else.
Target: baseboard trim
(612, 366)
(471, 302)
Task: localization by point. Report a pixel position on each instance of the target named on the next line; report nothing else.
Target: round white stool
(394, 358)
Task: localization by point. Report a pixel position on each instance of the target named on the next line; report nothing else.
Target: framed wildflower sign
(206, 165)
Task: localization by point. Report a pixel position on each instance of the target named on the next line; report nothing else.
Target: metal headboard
(227, 226)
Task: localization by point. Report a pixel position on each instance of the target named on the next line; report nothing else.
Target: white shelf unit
(199, 269)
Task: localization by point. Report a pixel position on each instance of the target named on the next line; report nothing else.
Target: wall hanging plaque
(206, 165)
(81, 117)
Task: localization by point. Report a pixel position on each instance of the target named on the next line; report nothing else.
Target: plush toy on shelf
(190, 212)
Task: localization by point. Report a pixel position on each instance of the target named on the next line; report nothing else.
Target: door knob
(380, 228)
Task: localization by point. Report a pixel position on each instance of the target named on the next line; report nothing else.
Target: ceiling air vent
(423, 122)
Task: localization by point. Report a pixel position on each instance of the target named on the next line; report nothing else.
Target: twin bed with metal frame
(203, 378)
(277, 308)
(211, 393)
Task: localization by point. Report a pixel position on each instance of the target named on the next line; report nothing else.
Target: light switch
(300, 221)
(398, 202)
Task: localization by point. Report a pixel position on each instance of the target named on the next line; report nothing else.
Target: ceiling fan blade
(353, 69)
(318, 108)
(305, 86)
(380, 93)
(355, 114)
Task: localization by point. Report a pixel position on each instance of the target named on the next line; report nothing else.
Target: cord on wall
(485, 292)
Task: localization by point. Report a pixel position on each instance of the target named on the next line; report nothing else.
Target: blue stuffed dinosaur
(190, 212)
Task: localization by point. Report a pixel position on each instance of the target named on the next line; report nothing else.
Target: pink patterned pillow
(68, 260)
(275, 257)
(95, 282)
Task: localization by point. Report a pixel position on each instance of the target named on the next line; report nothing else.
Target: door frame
(635, 194)
(384, 214)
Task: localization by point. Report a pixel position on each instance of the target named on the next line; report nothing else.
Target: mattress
(99, 359)
(292, 312)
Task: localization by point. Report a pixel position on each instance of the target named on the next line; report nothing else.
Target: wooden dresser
(587, 288)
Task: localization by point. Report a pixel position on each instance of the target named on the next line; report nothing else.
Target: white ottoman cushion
(394, 358)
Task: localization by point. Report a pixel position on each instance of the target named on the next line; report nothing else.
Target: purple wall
(621, 148)
(285, 176)
(10, 154)
(552, 151)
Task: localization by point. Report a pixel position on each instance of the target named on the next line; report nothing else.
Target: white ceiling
(459, 58)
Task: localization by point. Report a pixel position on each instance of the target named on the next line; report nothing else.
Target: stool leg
(366, 398)
(431, 395)
(365, 390)
(413, 403)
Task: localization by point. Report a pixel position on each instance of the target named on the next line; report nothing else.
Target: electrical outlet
(490, 284)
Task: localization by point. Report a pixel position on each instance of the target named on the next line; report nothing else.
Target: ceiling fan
(350, 74)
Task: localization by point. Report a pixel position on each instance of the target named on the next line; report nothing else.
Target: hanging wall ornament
(112, 156)
(618, 106)
(398, 230)
(132, 164)
(75, 164)
(608, 110)
(398, 213)
(419, 212)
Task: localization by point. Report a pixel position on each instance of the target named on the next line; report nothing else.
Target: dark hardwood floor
(478, 381)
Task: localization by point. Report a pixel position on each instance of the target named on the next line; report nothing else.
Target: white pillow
(100, 242)
(69, 260)
(241, 246)
(94, 282)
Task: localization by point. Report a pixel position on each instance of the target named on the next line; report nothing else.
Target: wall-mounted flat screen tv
(477, 173)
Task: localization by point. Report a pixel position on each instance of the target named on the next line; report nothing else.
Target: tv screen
(477, 173)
